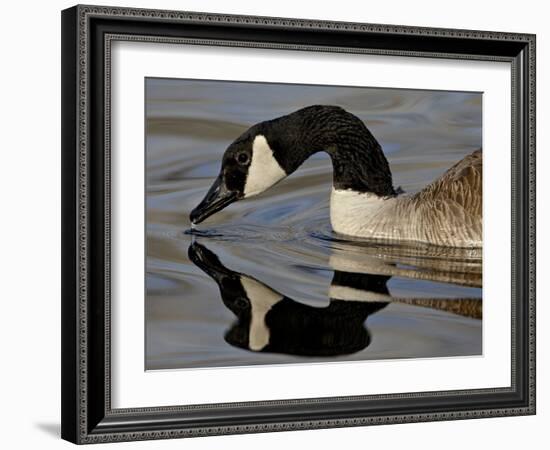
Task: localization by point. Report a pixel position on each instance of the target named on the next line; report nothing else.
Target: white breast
(357, 213)
(356, 295)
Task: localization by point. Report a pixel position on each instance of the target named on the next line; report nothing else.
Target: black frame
(87, 32)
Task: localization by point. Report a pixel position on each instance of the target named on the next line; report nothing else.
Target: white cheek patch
(264, 170)
(262, 299)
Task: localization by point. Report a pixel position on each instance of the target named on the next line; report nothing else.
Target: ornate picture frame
(88, 33)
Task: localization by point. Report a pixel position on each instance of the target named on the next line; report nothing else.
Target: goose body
(364, 203)
(447, 212)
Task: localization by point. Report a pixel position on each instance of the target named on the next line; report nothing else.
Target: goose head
(249, 167)
(230, 283)
(270, 151)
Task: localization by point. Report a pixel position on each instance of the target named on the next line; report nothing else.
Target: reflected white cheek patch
(262, 299)
(264, 170)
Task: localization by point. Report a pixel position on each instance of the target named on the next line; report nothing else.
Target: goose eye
(242, 158)
(241, 303)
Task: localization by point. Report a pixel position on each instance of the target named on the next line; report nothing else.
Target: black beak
(208, 262)
(217, 198)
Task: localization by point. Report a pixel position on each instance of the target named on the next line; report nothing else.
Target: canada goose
(268, 321)
(364, 202)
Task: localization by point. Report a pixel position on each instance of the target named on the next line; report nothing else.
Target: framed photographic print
(280, 224)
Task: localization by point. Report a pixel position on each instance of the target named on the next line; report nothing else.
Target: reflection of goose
(271, 322)
(439, 264)
(364, 202)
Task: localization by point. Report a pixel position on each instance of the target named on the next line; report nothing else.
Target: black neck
(357, 158)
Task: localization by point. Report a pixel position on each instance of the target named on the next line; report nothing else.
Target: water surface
(283, 240)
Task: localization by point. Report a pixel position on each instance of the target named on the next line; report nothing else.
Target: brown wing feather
(452, 205)
(461, 184)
